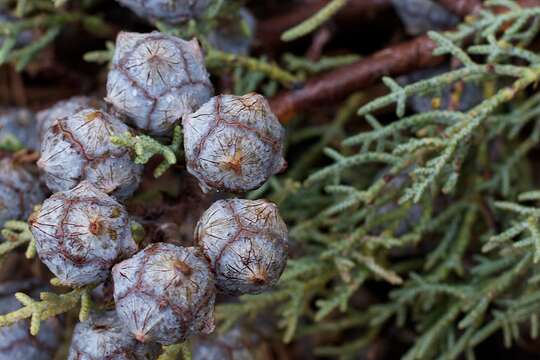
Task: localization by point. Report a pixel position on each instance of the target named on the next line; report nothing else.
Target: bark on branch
(394, 60)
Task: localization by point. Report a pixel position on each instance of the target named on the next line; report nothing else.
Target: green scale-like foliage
(467, 266)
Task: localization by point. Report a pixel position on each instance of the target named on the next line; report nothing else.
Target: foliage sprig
(17, 233)
(145, 147)
(442, 178)
(49, 305)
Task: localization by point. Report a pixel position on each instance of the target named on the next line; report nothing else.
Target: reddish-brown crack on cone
(184, 268)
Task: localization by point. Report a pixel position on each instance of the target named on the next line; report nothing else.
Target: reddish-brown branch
(529, 3)
(269, 31)
(335, 85)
